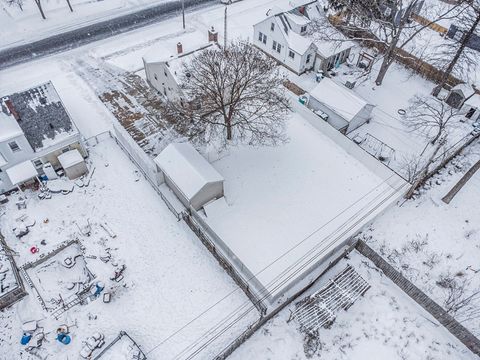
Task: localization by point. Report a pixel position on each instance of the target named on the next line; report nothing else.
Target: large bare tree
(461, 59)
(431, 117)
(386, 24)
(233, 94)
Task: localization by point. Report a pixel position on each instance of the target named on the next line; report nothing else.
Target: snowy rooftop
(187, 168)
(70, 158)
(21, 172)
(38, 113)
(338, 98)
(286, 203)
(9, 127)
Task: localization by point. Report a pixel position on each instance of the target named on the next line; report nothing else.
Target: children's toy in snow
(64, 338)
(26, 337)
(109, 231)
(96, 341)
(98, 288)
(62, 335)
(34, 249)
(36, 342)
(21, 204)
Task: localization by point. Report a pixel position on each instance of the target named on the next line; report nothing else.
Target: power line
(297, 271)
(273, 281)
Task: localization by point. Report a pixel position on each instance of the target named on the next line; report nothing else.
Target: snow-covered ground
(430, 241)
(170, 278)
(186, 279)
(293, 200)
(384, 324)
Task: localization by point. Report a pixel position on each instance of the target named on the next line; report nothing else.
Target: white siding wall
(361, 118)
(159, 76)
(296, 64)
(26, 153)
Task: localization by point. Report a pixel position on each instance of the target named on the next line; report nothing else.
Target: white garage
(192, 178)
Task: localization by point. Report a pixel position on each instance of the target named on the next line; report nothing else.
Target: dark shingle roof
(41, 114)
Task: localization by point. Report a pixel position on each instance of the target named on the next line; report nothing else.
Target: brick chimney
(212, 35)
(11, 109)
(179, 48)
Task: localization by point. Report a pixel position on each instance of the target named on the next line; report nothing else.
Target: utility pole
(183, 13)
(225, 29)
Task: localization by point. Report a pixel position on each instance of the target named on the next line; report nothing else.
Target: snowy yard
(436, 245)
(288, 202)
(384, 324)
(170, 278)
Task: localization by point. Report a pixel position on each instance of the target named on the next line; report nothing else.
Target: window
(272, 26)
(165, 73)
(303, 29)
(308, 58)
(262, 37)
(64, 150)
(14, 146)
(38, 163)
(276, 46)
(155, 76)
(291, 54)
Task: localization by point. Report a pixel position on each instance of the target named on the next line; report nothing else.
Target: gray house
(192, 179)
(339, 106)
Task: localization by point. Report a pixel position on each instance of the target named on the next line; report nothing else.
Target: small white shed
(73, 163)
(21, 173)
(192, 178)
(346, 110)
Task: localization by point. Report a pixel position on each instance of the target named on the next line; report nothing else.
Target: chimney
(179, 48)
(212, 35)
(11, 109)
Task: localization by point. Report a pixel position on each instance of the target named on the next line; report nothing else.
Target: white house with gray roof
(35, 129)
(283, 35)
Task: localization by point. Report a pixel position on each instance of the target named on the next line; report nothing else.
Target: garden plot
(383, 324)
(169, 278)
(61, 277)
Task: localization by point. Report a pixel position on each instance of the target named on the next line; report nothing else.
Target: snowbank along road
(95, 32)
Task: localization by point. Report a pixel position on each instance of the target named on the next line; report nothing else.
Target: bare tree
(18, 3)
(461, 299)
(40, 8)
(69, 5)
(232, 94)
(430, 116)
(387, 25)
(460, 54)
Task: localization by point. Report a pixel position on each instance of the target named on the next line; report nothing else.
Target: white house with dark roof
(283, 35)
(162, 70)
(35, 129)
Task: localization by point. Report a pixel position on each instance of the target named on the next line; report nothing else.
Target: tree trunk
(455, 59)
(388, 58)
(228, 123)
(423, 173)
(69, 5)
(39, 5)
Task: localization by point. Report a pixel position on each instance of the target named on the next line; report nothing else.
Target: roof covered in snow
(474, 101)
(187, 168)
(70, 158)
(338, 98)
(9, 127)
(21, 172)
(38, 113)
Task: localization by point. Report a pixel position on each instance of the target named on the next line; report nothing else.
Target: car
(322, 115)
